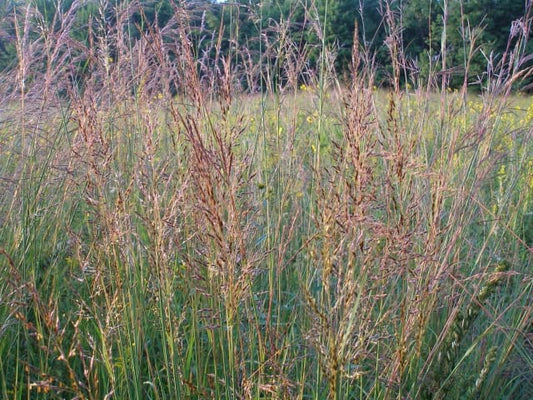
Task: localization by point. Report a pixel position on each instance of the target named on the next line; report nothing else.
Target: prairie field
(166, 233)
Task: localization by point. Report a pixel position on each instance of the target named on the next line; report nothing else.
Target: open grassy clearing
(151, 250)
(327, 240)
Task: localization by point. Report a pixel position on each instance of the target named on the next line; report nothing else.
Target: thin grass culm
(313, 199)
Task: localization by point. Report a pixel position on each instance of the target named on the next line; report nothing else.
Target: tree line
(464, 38)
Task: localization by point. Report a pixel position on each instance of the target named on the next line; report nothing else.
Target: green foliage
(218, 216)
(477, 32)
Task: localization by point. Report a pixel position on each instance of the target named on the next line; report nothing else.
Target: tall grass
(166, 234)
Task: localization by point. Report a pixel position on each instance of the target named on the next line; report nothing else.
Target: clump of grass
(168, 235)
(460, 326)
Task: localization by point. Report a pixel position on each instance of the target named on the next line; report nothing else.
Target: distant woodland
(430, 35)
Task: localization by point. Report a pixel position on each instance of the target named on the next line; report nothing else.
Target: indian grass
(172, 237)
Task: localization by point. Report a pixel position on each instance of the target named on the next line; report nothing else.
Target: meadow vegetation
(167, 234)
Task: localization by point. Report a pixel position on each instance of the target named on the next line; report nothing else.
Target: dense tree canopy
(469, 34)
